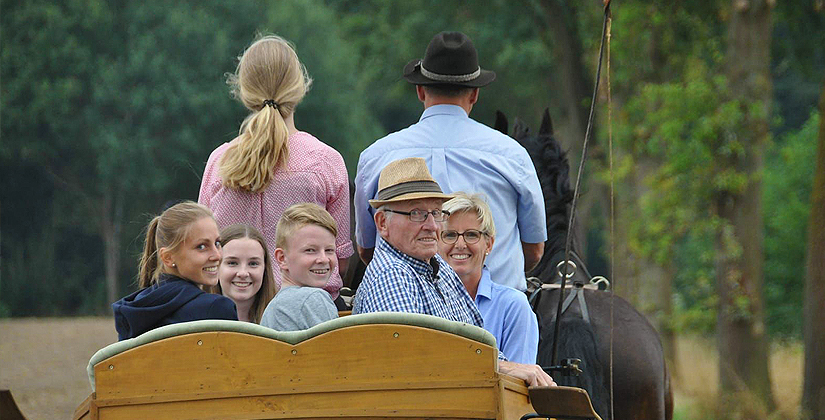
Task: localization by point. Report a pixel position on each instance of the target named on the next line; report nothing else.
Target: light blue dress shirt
(508, 316)
(464, 155)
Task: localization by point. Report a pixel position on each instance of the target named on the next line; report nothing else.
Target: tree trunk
(563, 38)
(813, 390)
(742, 337)
(110, 225)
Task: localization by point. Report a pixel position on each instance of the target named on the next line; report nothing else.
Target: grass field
(43, 363)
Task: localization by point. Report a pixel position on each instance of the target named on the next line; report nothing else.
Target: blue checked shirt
(396, 282)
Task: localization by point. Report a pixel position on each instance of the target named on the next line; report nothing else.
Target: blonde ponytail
(149, 260)
(270, 81)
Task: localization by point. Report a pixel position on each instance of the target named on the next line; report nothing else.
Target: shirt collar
(429, 268)
(444, 109)
(485, 285)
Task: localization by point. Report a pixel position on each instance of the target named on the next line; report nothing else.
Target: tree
(741, 332)
(813, 391)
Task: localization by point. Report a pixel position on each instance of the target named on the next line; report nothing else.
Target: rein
(569, 238)
(566, 262)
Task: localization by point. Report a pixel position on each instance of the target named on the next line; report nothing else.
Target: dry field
(43, 362)
(696, 379)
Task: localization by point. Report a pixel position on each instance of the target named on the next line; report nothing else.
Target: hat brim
(411, 196)
(412, 72)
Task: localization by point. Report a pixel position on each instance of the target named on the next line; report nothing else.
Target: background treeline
(110, 109)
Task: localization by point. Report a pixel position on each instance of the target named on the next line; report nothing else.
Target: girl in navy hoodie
(181, 255)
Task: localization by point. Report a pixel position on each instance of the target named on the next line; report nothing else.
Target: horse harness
(577, 289)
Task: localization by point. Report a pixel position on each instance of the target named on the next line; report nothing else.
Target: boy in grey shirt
(305, 251)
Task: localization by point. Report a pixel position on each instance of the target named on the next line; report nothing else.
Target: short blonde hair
(464, 202)
(300, 215)
(269, 70)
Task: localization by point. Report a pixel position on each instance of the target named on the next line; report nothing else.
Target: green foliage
(688, 127)
(787, 186)
(121, 104)
(695, 299)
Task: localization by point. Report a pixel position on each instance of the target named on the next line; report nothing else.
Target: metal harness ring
(570, 273)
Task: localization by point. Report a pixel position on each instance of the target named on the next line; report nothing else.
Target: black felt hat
(451, 59)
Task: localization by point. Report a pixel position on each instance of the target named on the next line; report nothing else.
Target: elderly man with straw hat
(406, 273)
(462, 155)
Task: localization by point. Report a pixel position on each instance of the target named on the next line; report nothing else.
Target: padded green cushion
(291, 337)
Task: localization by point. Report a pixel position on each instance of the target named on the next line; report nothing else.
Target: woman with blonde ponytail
(271, 165)
(180, 256)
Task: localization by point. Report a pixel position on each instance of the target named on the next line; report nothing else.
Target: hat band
(450, 77)
(408, 187)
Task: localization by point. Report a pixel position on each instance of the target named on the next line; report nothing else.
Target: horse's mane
(553, 172)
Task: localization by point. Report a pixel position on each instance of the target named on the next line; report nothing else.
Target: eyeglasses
(417, 215)
(471, 236)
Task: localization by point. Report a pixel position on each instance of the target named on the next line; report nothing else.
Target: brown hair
(448, 91)
(267, 291)
(300, 215)
(269, 70)
(168, 230)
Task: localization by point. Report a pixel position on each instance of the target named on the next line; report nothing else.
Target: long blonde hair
(268, 72)
(267, 291)
(168, 230)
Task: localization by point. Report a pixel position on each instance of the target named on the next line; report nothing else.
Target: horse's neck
(582, 274)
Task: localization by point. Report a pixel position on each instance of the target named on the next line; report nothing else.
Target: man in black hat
(462, 155)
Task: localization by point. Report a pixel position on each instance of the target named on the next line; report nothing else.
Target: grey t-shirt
(298, 308)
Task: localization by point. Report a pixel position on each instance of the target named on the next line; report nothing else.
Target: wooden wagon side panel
(385, 370)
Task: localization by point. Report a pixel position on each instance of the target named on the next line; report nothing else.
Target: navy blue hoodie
(169, 301)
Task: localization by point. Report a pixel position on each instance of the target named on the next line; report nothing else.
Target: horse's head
(553, 172)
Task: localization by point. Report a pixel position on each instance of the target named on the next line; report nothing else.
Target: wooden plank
(466, 403)
(8, 407)
(372, 355)
(193, 396)
(82, 411)
(515, 401)
(562, 402)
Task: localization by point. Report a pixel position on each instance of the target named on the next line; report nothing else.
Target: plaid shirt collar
(428, 270)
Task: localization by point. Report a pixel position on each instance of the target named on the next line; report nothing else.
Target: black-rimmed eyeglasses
(417, 215)
(471, 236)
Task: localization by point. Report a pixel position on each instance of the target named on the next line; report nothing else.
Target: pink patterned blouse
(314, 173)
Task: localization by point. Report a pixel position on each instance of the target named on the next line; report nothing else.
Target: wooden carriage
(382, 365)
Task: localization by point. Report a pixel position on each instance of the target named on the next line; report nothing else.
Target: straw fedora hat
(450, 59)
(406, 179)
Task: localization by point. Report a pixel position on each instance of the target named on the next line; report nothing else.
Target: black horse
(640, 380)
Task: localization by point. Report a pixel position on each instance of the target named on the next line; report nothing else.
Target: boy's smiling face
(308, 258)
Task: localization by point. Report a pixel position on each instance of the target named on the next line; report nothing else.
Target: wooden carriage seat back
(388, 365)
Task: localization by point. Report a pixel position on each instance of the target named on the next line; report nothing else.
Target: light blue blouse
(508, 316)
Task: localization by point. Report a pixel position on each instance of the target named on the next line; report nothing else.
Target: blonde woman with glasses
(272, 165)
(467, 238)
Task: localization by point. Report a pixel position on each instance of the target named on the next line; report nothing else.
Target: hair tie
(271, 102)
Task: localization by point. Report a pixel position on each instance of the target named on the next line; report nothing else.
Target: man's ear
(474, 96)
(166, 257)
(381, 224)
(419, 90)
